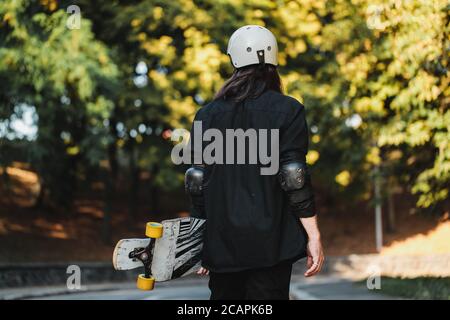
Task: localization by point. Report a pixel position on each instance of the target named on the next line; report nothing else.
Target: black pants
(270, 283)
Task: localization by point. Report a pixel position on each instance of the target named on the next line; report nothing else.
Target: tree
(69, 78)
(396, 69)
(373, 80)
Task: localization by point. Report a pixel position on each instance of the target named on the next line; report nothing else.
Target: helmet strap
(261, 59)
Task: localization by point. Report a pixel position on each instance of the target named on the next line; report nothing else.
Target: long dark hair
(250, 82)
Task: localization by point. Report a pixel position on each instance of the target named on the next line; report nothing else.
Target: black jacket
(250, 223)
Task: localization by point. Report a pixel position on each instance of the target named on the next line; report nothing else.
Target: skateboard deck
(177, 253)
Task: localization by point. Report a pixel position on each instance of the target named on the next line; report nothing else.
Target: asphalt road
(175, 293)
(318, 288)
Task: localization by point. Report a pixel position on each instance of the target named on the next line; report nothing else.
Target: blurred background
(90, 92)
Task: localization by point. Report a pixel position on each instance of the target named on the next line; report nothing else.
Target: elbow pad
(295, 180)
(193, 181)
(292, 176)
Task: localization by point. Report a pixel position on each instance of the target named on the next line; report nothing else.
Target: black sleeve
(293, 148)
(197, 207)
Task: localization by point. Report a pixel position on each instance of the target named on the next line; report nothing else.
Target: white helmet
(252, 45)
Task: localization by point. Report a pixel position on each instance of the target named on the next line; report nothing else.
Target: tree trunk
(134, 186)
(39, 202)
(5, 177)
(110, 181)
(154, 191)
(6, 182)
(378, 210)
(391, 227)
(108, 198)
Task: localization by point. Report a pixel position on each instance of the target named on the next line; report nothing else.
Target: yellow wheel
(144, 283)
(154, 230)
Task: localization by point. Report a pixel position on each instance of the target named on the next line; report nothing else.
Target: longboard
(172, 250)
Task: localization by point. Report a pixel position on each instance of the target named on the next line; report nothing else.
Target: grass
(429, 288)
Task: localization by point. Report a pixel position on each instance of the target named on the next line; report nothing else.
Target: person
(257, 225)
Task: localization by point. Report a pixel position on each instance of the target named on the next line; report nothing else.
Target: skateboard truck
(145, 281)
(145, 256)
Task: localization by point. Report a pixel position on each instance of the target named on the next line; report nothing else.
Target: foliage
(372, 74)
(68, 77)
(398, 83)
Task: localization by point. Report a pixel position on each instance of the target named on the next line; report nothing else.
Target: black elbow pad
(292, 176)
(295, 180)
(193, 181)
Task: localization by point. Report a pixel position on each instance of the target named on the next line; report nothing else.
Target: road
(318, 288)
